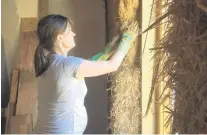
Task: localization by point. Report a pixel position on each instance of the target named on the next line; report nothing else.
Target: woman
(60, 78)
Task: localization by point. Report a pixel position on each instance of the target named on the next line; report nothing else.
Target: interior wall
(88, 18)
(12, 11)
(27, 8)
(149, 121)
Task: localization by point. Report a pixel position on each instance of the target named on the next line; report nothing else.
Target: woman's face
(68, 38)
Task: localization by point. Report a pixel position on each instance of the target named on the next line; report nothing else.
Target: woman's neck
(61, 51)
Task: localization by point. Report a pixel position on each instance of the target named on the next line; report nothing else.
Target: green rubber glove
(102, 55)
(130, 31)
(125, 43)
(96, 57)
(108, 51)
(123, 46)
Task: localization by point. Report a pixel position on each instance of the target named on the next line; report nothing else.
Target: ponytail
(47, 30)
(41, 61)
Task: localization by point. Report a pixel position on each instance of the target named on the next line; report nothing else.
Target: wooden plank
(27, 95)
(27, 108)
(20, 124)
(21, 119)
(14, 86)
(21, 129)
(28, 24)
(28, 44)
(30, 109)
(27, 87)
(42, 8)
(10, 112)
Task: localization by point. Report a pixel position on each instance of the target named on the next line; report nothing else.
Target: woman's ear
(59, 38)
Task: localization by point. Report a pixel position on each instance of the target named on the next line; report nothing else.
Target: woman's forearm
(108, 51)
(121, 51)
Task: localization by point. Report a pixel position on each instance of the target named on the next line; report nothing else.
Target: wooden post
(43, 8)
(10, 111)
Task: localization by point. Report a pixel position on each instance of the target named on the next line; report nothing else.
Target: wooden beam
(28, 44)
(27, 95)
(14, 86)
(20, 124)
(28, 24)
(158, 109)
(10, 112)
(43, 8)
(161, 115)
(148, 40)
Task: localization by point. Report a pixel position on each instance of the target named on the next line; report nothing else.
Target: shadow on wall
(4, 77)
(9, 45)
